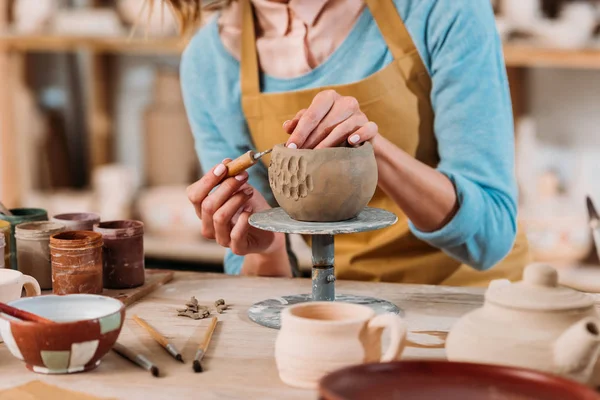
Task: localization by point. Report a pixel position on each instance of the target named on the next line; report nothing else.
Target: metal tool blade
(259, 155)
(592, 212)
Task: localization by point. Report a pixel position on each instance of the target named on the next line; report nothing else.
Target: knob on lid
(538, 291)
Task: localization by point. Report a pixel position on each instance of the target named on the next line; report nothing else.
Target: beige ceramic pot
(324, 185)
(12, 284)
(532, 324)
(317, 338)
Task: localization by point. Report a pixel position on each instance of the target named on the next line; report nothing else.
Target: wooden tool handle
(155, 335)
(240, 164)
(208, 334)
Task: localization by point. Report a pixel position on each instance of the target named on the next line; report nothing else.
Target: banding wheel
(267, 312)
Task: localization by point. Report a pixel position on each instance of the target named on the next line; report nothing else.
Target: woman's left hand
(330, 120)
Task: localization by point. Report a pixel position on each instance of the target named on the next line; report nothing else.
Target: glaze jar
(77, 221)
(123, 253)
(33, 250)
(5, 249)
(20, 215)
(76, 262)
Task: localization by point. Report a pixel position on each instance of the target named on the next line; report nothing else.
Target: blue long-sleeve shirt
(459, 44)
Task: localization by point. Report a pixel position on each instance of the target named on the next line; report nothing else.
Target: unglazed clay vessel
(534, 324)
(324, 185)
(317, 338)
(86, 328)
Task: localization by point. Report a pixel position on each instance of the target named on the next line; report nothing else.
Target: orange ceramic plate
(435, 380)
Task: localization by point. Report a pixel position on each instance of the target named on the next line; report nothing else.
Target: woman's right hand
(224, 212)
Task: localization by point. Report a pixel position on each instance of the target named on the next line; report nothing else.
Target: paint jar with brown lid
(5, 250)
(33, 250)
(76, 262)
(123, 253)
(77, 221)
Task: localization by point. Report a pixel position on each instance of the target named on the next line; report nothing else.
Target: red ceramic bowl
(86, 328)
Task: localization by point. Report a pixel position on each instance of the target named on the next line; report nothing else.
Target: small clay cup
(317, 338)
(123, 253)
(20, 215)
(77, 221)
(323, 185)
(33, 250)
(76, 262)
(86, 327)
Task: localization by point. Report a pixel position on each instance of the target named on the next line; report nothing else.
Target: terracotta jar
(77, 221)
(317, 338)
(123, 254)
(20, 215)
(4, 244)
(324, 185)
(535, 323)
(33, 250)
(76, 262)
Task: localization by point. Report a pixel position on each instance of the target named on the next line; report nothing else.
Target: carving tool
(204, 345)
(244, 162)
(22, 314)
(137, 359)
(169, 347)
(4, 210)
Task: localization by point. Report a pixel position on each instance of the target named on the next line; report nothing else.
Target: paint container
(76, 262)
(20, 215)
(5, 250)
(33, 250)
(77, 221)
(123, 253)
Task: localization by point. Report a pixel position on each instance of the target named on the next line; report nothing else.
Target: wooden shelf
(109, 44)
(529, 56)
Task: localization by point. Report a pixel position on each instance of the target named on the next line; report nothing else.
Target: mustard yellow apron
(397, 95)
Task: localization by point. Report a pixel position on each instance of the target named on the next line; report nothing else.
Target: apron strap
(392, 27)
(249, 72)
(384, 12)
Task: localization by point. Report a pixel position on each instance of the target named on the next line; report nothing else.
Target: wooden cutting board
(155, 278)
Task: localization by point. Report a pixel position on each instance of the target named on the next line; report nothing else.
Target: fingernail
(292, 146)
(248, 208)
(241, 177)
(219, 170)
(248, 191)
(354, 139)
(285, 123)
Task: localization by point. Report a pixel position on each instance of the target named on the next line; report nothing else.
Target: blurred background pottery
(86, 328)
(324, 185)
(77, 221)
(319, 337)
(533, 324)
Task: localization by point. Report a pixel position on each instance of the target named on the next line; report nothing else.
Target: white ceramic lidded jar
(534, 324)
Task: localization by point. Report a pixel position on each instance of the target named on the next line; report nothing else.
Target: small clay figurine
(193, 310)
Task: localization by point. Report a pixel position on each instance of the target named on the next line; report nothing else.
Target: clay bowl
(425, 380)
(86, 328)
(324, 185)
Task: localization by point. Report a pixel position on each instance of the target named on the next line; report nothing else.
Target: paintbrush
(204, 345)
(169, 347)
(137, 359)
(4, 210)
(22, 314)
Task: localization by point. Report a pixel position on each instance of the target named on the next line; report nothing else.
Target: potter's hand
(224, 212)
(330, 120)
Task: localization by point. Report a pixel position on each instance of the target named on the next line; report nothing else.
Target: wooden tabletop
(239, 363)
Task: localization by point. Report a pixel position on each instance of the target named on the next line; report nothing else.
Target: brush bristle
(197, 366)
(179, 358)
(154, 371)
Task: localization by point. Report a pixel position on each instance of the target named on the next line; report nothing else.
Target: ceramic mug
(317, 338)
(12, 283)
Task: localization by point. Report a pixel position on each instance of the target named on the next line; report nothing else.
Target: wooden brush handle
(22, 314)
(240, 164)
(155, 335)
(208, 334)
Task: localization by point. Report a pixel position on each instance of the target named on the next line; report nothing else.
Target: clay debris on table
(195, 310)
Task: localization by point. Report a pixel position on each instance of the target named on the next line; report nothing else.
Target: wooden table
(240, 363)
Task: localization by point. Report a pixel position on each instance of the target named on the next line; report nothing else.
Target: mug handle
(32, 287)
(398, 334)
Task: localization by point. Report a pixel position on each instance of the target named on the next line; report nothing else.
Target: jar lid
(37, 230)
(120, 229)
(538, 291)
